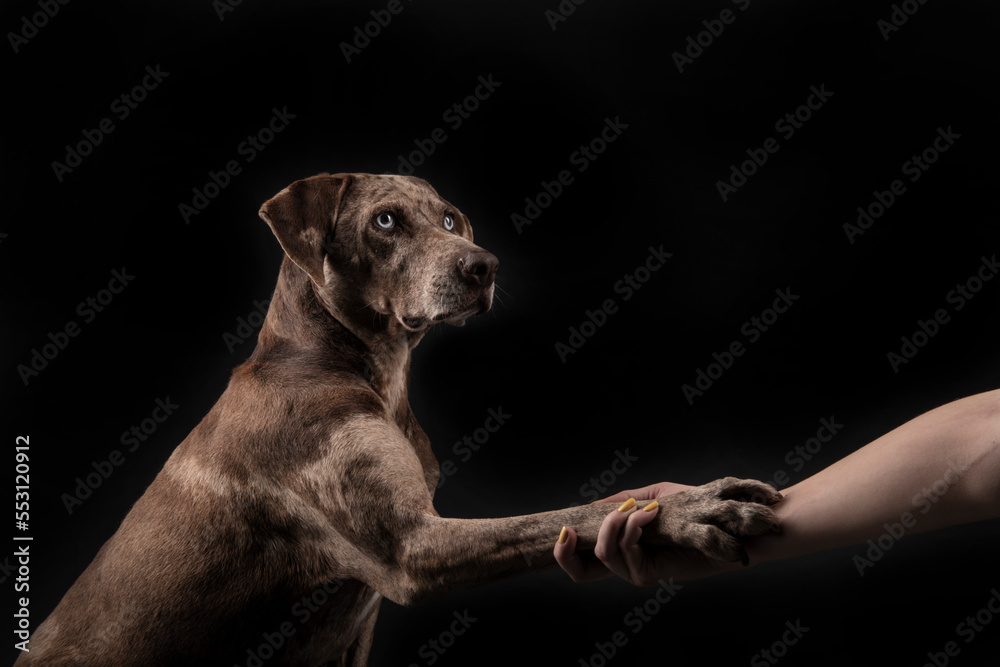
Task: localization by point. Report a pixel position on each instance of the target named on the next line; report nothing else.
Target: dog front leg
(439, 554)
(445, 554)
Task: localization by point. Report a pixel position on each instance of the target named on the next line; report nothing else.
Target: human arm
(941, 468)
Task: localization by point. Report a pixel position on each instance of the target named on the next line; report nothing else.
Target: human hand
(647, 493)
(618, 550)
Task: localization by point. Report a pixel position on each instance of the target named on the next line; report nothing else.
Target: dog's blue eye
(385, 220)
(449, 222)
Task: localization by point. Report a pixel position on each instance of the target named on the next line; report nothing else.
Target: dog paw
(713, 518)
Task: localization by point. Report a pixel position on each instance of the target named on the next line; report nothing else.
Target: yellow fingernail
(627, 505)
(563, 535)
(651, 506)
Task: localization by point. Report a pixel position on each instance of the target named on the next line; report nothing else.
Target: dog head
(388, 244)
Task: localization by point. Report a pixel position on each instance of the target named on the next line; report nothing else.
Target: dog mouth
(450, 317)
(413, 323)
(478, 304)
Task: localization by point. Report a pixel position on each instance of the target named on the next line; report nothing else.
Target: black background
(162, 336)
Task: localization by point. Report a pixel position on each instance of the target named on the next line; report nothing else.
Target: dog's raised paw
(713, 518)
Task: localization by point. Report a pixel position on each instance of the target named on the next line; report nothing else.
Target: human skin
(939, 469)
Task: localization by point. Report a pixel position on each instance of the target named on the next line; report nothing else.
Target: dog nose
(478, 266)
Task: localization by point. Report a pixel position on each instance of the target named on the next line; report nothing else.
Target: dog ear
(302, 217)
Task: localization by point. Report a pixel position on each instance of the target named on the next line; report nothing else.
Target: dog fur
(311, 473)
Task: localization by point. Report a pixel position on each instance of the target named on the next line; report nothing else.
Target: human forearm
(939, 469)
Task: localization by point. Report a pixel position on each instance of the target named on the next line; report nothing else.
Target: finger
(578, 569)
(645, 493)
(633, 555)
(651, 492)
(668, 489)
(608, 537)
(619, 497)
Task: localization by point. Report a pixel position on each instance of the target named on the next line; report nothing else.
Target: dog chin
(415, 324)
(455, 317)
(478, 306)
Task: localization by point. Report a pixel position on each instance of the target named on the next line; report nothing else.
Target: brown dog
(310, 481)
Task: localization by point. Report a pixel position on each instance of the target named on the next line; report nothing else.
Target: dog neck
(302, 321)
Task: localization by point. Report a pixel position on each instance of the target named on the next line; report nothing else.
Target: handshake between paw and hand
(686, 532)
